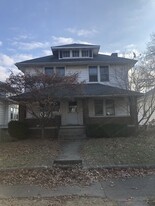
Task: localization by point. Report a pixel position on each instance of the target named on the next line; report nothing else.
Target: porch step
(72, 132)
(67, 163)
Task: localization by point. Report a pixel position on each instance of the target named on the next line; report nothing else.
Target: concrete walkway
(130, 191)
(70, 150)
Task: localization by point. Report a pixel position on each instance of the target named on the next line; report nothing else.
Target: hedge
(18, 129)
(108, 130)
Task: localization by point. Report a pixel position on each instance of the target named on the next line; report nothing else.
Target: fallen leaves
(53, 177)
(28, 153)
(139, 150)
(60, 201)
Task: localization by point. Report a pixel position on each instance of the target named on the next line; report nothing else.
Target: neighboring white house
(105, 97)
(146, 108)
(8, 109)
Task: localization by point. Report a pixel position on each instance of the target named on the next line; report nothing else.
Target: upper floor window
(49, 70)
(66, 53)
(93, 77)
(75, 53)
(104, 73)
(60, 71)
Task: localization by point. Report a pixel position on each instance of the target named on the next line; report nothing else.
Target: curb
(121, 167)
(108, 167)
(26, 168)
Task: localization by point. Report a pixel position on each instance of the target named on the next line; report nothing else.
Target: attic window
(87, 53)
(66, 53)
(75, 53)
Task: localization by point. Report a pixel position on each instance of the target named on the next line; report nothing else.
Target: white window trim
(98, 74)
(54, 68)
(104, 109)
(71, 55)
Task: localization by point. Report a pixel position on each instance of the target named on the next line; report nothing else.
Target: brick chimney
(114, 54)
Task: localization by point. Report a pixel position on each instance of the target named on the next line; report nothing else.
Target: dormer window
(87, 53)
(75, 53)
(65, 53)
(71, 51)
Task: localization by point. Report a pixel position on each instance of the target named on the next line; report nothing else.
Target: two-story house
(105, 98)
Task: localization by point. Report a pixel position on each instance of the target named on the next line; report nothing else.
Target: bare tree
(142, 79)
(41, 93)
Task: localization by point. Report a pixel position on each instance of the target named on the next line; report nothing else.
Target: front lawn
(61, 201)
(119, 151)
(28, 153)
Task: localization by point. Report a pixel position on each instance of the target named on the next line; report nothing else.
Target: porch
(77, 114)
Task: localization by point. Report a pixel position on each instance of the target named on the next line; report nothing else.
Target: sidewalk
(130, 191)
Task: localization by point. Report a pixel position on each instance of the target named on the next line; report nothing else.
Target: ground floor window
(49, 110)
(14, 113)
(98, 107)
(104, 107)
(110, 109)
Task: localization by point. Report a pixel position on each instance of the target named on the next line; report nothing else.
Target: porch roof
(81, 91)
(96, 89)
(3, 98)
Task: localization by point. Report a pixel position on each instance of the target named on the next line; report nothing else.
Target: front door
(72, 113)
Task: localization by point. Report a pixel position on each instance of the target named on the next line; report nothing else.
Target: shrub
(18, 130)
(108, 130)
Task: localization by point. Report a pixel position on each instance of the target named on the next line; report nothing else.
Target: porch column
(133, 109)
(22, 112)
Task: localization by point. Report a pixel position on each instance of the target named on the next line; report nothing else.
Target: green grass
(119, 151)
(28, 153)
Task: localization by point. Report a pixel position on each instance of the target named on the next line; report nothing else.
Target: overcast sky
(28, 28)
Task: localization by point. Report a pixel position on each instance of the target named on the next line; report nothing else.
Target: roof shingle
(83, 91)
(100, 58)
